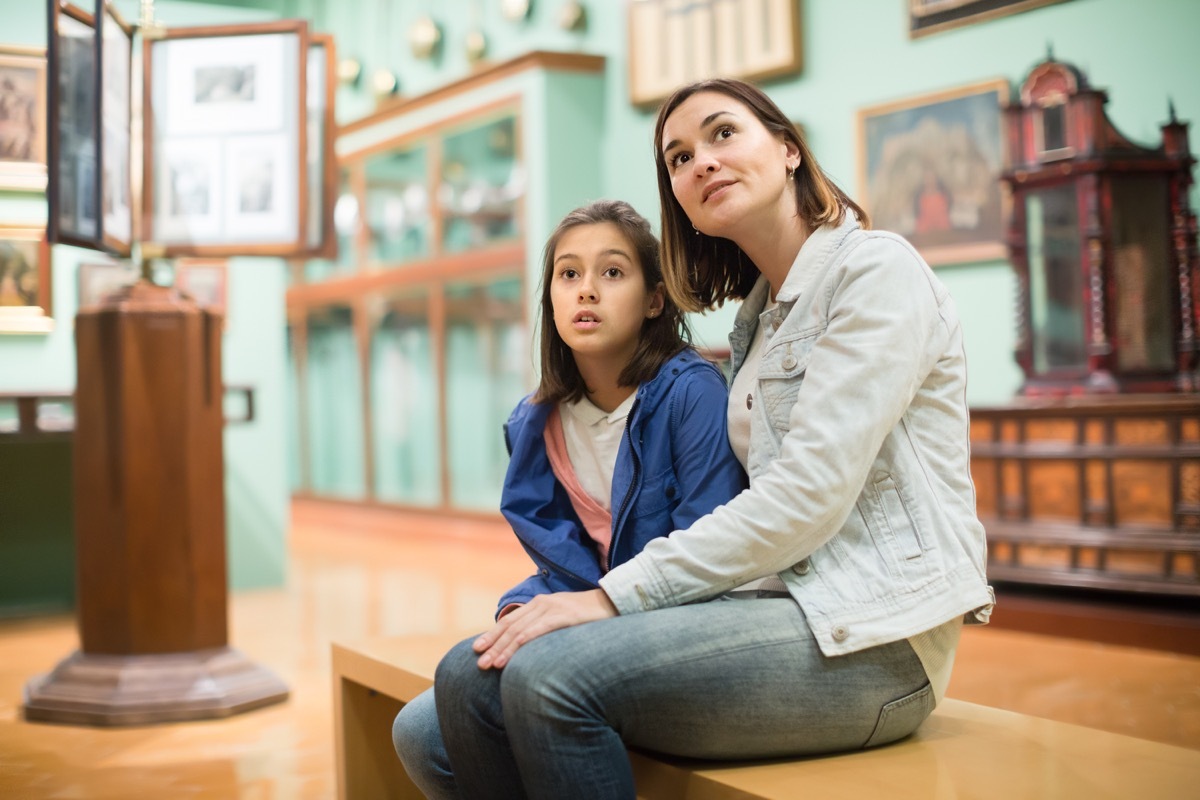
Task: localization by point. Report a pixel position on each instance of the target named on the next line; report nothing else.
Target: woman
(820, 609)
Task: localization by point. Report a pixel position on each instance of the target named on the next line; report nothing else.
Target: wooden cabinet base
(94, 689)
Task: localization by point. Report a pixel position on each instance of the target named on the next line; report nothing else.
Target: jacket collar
(813, 255)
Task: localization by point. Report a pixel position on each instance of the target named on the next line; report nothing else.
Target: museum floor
(356, 573)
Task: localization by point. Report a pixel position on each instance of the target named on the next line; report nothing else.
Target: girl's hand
(541, 615)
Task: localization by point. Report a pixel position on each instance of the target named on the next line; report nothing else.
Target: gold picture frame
(931, 16)
(929, 169)
(25, 302)
(22, 118)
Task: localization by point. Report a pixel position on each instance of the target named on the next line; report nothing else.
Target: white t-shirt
(593, 437)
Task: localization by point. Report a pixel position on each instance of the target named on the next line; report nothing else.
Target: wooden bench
(962, 750)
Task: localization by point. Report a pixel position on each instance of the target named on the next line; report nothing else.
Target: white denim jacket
(861, 497)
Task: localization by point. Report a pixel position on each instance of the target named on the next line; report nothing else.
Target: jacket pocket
(900, 526)
(899, 718)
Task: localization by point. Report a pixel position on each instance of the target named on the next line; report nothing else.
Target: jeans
(726, 679)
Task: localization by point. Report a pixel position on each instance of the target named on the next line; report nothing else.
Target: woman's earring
(694, 228)
(791, 172)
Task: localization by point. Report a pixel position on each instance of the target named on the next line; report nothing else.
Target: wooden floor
(356, 573)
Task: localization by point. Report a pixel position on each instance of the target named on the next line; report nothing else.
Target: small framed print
(929, 170)
(22, 118)
(73, 144)
(226, 154)
(115, 41)
(99, 279)
(25, 305)
(203, 280)
(322, 161)
(930, 16)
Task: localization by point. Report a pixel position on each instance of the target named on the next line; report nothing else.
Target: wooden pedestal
(149, 524)
(1098, 492)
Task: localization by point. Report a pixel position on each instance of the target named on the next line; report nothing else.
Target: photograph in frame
(322, 161)
(189, 192)
(205, 281)
(25, 303)
(225, 140)
(74, 136)
(259, 187)
(116, 47)
(22, 119)
(929, 170)
(930, 16)
(98, 279)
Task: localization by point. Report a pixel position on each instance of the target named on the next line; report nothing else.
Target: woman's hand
(541, 615)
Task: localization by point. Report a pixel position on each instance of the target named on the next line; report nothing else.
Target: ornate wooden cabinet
(1104, 244)
(1091, 478)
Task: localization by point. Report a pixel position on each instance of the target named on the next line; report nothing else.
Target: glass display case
(410, 349)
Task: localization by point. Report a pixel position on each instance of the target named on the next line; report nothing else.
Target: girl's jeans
(726, 679)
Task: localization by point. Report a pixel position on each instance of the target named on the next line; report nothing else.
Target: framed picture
(750, 39)
(226, 156)
(322, 162)
(929, 170)
(24, 280)
(22, 118)
(98, 279)
(74, 131)
(204, 280)
(115, 42)
(931, 16)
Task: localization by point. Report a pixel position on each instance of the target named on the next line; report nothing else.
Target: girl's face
(728, 172)
(599, 294)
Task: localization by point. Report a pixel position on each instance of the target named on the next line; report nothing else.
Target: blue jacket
(674, 466)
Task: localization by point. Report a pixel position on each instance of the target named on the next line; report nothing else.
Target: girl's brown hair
(662, 336)
(702, 272)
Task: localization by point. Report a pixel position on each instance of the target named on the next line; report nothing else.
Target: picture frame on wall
(98, 279)
(322, 161)
(226, 155)
(930, 16)
(115, 46)
(25, 301)
(205, 281)
(748, 39)
(22, 118)
(73, 141)
(929, 170)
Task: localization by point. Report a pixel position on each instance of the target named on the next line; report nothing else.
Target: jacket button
(801, 567)
(749, 401)
(789, 362)
(840, 632)
(545, 573)
(670, 492)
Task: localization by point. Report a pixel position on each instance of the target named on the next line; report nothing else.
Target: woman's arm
(863, 371)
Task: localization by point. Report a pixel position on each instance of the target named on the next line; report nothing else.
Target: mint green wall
(855, 54)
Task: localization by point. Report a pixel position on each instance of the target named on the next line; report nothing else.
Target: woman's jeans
(726, 679)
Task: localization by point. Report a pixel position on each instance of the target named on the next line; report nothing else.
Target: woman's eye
(679, 159)
(724, 132)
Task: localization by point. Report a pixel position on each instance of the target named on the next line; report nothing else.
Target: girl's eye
(568, 274)
(612, 272)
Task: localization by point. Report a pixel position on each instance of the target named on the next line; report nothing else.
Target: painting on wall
(22, 119)
(24, 280)
(203, 280)
(99, 279)
(929, 170)
(931, 16)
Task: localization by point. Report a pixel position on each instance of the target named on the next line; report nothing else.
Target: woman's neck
(773, 249)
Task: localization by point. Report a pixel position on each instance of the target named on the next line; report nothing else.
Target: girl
(856, 547)
(623, 441)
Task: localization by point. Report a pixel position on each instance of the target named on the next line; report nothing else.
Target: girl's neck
(601, 376)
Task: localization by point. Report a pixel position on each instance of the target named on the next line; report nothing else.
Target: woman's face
(728, 172)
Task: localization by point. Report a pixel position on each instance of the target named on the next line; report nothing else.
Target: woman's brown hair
(662, 336)
(702, 272)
